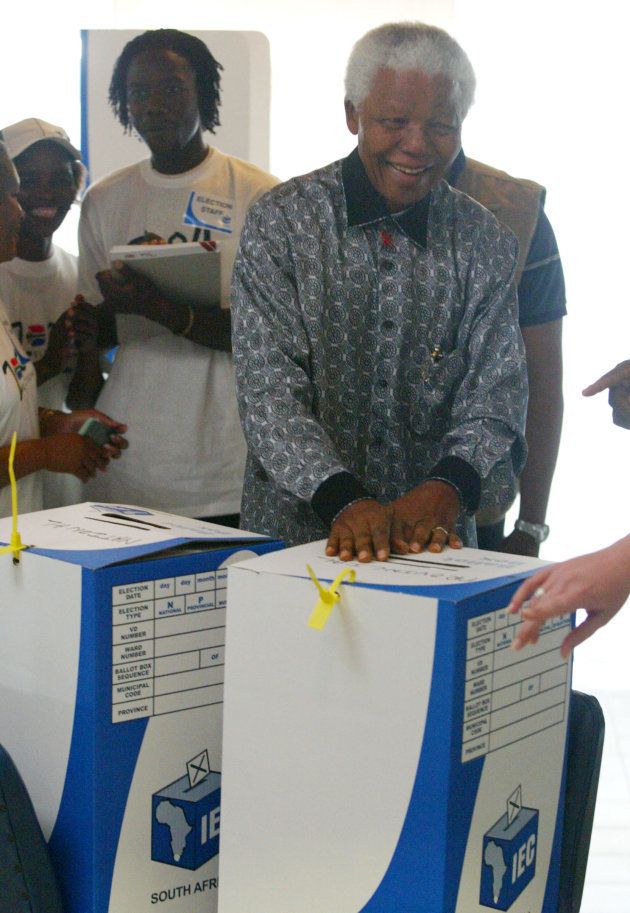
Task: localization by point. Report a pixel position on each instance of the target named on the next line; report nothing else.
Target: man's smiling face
(409, 134)
(48, 187)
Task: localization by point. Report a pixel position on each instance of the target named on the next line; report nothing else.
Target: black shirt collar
(365, 205)
(455, 171)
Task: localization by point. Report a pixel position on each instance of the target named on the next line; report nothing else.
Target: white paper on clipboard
(186, 273)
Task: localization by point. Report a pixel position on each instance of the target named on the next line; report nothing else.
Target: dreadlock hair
(202, 63)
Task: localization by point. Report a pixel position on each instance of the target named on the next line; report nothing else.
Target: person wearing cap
(40, 283)
(380, 369)
(172, 377)
(46, 439)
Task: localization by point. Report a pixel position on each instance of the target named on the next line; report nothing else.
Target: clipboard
(185, 273)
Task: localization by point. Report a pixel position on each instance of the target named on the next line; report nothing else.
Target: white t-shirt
(18, 412)
(35, 294)
(186, 449)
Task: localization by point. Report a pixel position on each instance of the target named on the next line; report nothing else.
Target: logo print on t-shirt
(35, 336)
(16, 366)
(205, 211)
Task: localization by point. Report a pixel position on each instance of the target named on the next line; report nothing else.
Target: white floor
(607, 887)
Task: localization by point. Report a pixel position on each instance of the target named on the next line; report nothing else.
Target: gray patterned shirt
(364, 344)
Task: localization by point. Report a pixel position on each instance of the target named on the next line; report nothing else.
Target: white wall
(551, 105)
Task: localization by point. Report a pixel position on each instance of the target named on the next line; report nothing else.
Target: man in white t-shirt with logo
(172, 377)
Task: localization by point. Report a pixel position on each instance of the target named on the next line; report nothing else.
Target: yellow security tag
(15, 545)
(327, 598)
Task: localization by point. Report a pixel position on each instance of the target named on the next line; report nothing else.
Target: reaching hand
(598, 582)
(617, 382)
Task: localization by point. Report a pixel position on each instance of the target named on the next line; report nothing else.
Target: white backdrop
(551, 105)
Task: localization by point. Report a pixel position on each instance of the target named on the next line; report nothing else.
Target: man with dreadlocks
(172, 377)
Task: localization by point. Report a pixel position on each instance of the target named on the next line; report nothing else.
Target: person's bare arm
(60, 452)
(543, 346)
(127, 292)
(87, 377)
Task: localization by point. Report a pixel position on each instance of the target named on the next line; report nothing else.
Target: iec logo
(186, 816)
(509, 855)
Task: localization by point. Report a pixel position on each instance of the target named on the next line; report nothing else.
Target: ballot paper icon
(514, 804)
(508, 861)
(198, 768)
(186, 816)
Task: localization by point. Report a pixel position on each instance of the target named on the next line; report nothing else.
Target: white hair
(410, 46)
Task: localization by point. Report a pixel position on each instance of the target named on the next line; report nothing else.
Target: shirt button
(388, 265)
(383, 384)
(377, 441)
(387, 325)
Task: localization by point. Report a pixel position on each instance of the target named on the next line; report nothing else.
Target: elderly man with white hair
(380, 369)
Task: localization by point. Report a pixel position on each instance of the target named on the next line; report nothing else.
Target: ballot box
(400, 758)
(112, 659)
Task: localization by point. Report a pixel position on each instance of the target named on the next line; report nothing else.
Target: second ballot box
(401, 758)
(112, 660)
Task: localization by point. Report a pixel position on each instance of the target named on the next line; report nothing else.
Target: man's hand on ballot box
(424, 517)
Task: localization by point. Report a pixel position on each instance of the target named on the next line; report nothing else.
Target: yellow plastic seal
(15, 546)
(327, 597)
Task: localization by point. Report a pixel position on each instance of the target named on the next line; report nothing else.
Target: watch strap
(537, 531)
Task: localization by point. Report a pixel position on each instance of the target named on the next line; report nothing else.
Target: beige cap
(19, 137)
(9, 182)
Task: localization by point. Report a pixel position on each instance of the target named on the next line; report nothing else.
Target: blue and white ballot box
(402, 758)
(112, 652)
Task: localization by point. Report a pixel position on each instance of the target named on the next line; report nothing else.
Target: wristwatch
(538, 531)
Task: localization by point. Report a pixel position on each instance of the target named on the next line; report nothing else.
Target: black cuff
(464, 479)
(335, 493)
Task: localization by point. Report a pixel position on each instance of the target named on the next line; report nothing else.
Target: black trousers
(490, 537)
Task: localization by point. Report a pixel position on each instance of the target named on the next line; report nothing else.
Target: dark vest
(516, 204)
(514, 201)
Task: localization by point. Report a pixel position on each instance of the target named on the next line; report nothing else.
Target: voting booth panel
(111, 683)
(401, 758)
